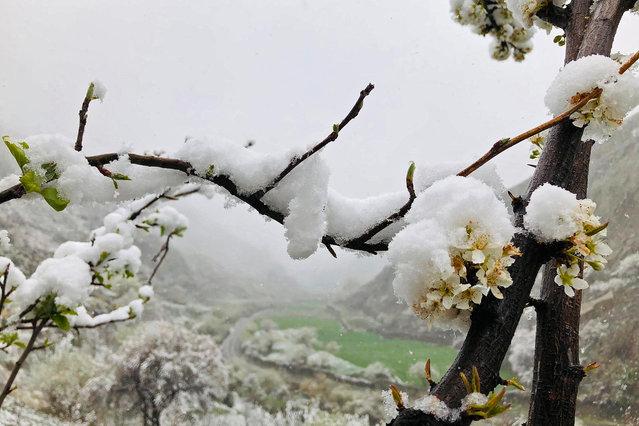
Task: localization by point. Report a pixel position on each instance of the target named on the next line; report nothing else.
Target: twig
(296, 161)
(137, 213)
(162, 254)
(83, 117)
(25, 353)
(5, 277)
(504, 144)
(634, 58)
(393, 217)
(330, 250)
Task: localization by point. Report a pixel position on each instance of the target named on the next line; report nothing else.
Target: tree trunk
(557, 369)
(564, 163)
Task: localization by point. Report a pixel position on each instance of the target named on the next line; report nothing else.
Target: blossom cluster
(492, 17)
(555, 214)
(603, 114)
(66, 281)
(454, 251)
(526, 11)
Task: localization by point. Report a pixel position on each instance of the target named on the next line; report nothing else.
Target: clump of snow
(475, 398)
(432, 404)
(15, 277)
(457, 226)
(168, 219)
(602, 115)
(99, 90)
(69, 278)
(302, 195)
(249, 169)
(390, 408)
(146, 291)
(554, 214)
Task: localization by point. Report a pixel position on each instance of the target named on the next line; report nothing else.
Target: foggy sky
(280, 73)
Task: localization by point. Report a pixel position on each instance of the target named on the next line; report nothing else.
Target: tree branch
(37, 328)
(296, 161)
(555, 15)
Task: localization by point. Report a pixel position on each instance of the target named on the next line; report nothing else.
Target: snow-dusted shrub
(378, 371)
(58, 380)
(172, 367)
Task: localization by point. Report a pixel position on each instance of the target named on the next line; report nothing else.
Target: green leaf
(335, 128)
(411, 172)
(8, 339)
(596, 230)
(557, 39)
(89, 94)
(20, 345)
(30, 182)
(52, 197)
(17, 152)
(120, 176)
(209, 172)
(61, 321)
(103, 256)
(51, 171)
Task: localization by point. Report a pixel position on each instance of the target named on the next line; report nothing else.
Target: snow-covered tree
(164, 366)
(461, 260)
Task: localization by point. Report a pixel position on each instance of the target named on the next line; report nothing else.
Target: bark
(557, 369)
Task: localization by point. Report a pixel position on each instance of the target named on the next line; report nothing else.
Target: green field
(362, 348)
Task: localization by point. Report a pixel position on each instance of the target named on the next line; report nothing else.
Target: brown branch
(555, 15)
(630, 62)
(37, 328)
(296, 161)
(393, 217)
(504, 144)
(162, 254)
(83, 117)
(16, 191)
(158, 197)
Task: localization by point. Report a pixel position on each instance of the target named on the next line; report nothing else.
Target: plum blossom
(568, 278)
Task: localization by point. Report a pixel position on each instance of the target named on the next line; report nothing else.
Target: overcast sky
(280, 73)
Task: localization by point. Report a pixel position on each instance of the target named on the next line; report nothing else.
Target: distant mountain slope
(187, 274)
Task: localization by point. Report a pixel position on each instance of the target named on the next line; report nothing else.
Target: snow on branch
(330, 138)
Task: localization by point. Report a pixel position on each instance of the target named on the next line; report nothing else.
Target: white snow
(454, 223)
(604, 115)
(5, 242)
(15, 276)
(551, 213)
(68, 278)
(99, 90)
